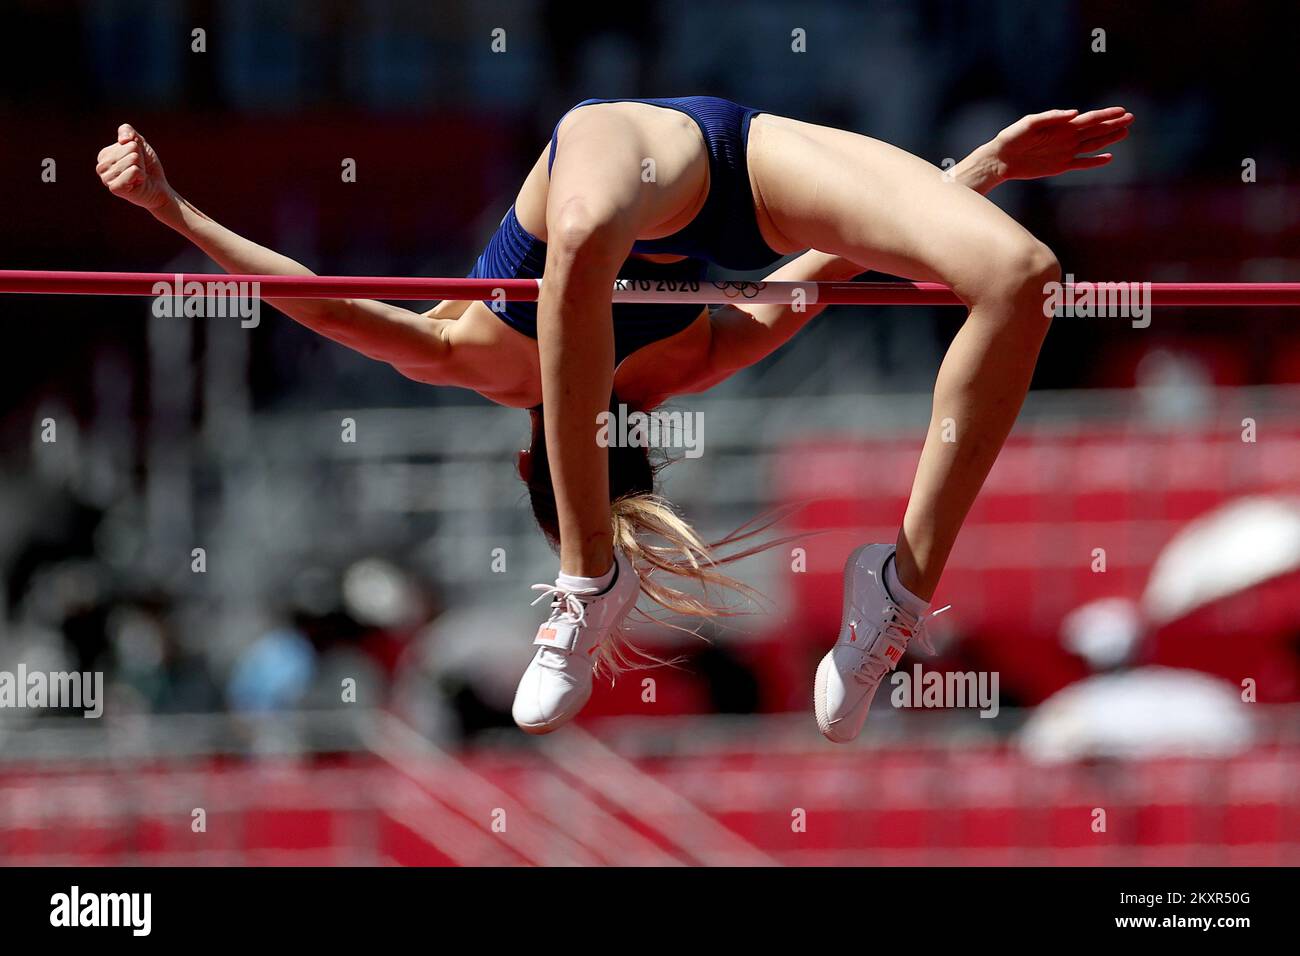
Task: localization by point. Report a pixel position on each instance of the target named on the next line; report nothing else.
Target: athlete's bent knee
(1040, 266)
(580, 230)
(1019, 271)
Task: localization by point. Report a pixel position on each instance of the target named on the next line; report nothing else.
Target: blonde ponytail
(662, 546)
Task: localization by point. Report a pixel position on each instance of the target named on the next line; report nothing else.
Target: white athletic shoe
(557, 683)
(873, 638)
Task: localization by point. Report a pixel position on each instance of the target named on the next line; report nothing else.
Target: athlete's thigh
(640, 167)
(877, 205)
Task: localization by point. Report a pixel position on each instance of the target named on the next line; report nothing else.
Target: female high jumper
(661, 188)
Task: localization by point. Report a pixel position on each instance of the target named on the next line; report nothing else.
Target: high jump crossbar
(625, 290)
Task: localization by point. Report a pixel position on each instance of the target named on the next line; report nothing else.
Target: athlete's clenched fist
(131, 169)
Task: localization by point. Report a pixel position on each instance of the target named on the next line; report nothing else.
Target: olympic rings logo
(740, 289)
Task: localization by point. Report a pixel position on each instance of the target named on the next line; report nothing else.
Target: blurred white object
(481, 648)
(487, 648)
(1235, 547)
(1103, 632)
(377, 593)
(1148, 712)
(1173, 387)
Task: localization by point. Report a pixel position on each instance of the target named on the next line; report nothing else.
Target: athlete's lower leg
(980, 388)
(576, 347)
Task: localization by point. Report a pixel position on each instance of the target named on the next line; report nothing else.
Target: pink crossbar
(625, 290)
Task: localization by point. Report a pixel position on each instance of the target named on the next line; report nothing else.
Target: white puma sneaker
(873, 638)
(557, 684)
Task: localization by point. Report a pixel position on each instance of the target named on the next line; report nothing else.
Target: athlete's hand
(1055, 142)
(131, 169)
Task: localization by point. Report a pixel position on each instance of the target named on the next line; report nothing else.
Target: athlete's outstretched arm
(131, 169)
(1041, 145)
(1033, 147)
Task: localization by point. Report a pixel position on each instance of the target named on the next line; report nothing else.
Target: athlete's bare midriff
(502, 364)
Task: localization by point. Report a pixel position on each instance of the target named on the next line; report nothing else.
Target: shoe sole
(820, 710)
(538, 729)
(819, 700)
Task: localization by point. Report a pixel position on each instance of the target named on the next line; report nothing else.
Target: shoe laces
(566, 607)
(899, 628)
(565, 602)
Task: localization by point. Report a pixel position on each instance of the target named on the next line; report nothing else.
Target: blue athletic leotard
(724, 232)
